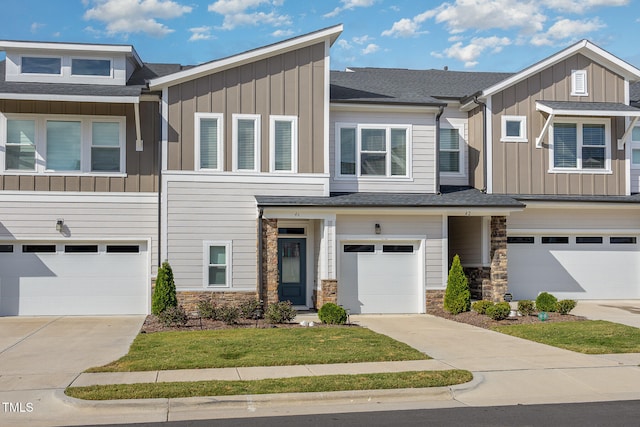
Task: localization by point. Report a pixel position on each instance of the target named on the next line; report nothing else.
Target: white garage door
(73, 278)
(381, 277)
(574, 266)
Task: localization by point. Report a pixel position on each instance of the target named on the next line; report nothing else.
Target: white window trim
(635, 145)
(220, 148)
(462, 145)
(574, 83)
(228, 245)
(257, 139)
(523, 129)
(294, 143)
(110, 76)
(358, 127)
(579, 122)
(42, 74)
(41, 143)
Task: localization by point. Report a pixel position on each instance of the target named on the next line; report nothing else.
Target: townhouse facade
(267, 175)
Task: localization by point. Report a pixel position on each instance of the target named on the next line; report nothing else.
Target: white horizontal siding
(219, 211)
(635, 180)
(422, 153)
(571, 219)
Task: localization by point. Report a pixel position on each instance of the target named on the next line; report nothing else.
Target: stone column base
(328, 293)
(434, 299)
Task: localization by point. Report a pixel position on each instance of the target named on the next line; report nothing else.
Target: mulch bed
(482, 321)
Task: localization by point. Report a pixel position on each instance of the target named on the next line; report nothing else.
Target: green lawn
(419, 379)
(590, 336)
(259, 347)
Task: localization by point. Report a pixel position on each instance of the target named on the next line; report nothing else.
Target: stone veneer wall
(327, 293)
(270, 274)
(189, 299)
(476, 277)
(434, 299)
(496, 286)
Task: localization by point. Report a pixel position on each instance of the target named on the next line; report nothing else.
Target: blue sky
(480, 35)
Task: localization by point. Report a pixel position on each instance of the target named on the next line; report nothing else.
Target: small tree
(164, 294)
(457, 297)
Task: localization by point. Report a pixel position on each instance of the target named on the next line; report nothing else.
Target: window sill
(582, 171)
(374, 178)
(514, 140)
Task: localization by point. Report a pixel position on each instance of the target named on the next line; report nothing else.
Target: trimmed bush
(332, 314)
(566, 305)
(280, 312)
(481, 306)
(207, 309)
(173, 316)
(164, 293)
(457, 297)
(499, 311)
(228, 313)
(546, 302)
(526, 307)
(248, 309)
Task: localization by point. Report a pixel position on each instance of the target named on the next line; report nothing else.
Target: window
(39, 248)
(208, 131)
(622, 240)
(579, 83)
(70, 144)
(217, 264)
(41, 65)
(81, 249)
(555, 240)
(90, 67)
(635, 147)
(123, 249)
(581, 145)
(6, 248)
(292, 230)
(283, 143)
(450, 151)
(589, 240)
(520, 240)
(246, 142)
(514, 129)
(397, 249)
(373, 151)
(359, 248)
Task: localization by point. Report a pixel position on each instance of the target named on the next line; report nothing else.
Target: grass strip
(395, 380)
(589, 337)
(259, 347)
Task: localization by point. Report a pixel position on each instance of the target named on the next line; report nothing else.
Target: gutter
(484, 141)
(437, 181)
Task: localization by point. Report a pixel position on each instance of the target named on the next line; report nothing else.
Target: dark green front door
(292, 263)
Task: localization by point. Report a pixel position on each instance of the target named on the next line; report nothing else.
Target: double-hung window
(283, 143)
(450, 151)
(209, 142)
(246, 142)
(373, 151)
(20, 149)
(581, 145)
(217, 264)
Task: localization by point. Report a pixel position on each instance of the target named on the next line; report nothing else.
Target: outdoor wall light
(59, 224)
(378, 229)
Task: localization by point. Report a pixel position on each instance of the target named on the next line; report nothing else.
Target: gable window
(41, 65)
(283, 143)
(450, 151)
(514, 129)
(217, 271)
(75, 144)
(581, 145)
(90, 67)
(373, 151)
(246, 142)
(579, 83)
(208, 131)
(635, 147)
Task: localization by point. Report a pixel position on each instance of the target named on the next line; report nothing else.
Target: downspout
(437, 183)
(260, 256)
(159, 128)
(484, 142)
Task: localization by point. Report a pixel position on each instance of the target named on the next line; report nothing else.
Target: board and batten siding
(423, 156)
(426, 227)
(475, 141)
(219, 211)
(142, 166)
(291, 84)
(520, 167)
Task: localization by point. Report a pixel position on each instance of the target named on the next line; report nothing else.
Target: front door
(292, 262)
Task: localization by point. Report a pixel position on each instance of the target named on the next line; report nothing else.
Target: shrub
(173, 316)
(280, 312)
(207, 309)
(499, 311)
(526, 307)
(164, 293)
(481, 306)
(566, 305)
(332, 314)
(248, 308)
(546, 302)
(228, 313)
(457, 297)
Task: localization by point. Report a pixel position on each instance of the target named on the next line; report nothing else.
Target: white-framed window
(246, 142)
(579, 83)
(514, 129)
(283, 143)
(209, 142)
(35, 144)
(580, 145)
(94, 67)
(635, 147)
(217, 264)
(51, 65)
(451, 156)
(373, 151)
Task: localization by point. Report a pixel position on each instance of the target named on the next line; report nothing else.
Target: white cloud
(230, 7)
(200, 33)
(236, 15)
(282, 33)
(371, 48)
(361, 40)
(403, 28)
(36, 26)
(344, 44)
(581, 6)
(567, 29)
(349, 5)
(135, 16)
(472, 51)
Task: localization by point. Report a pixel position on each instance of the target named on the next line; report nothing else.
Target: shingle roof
(634, 198)
(634, 94)
(402, 86)
(589, 106)
(451, 196)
